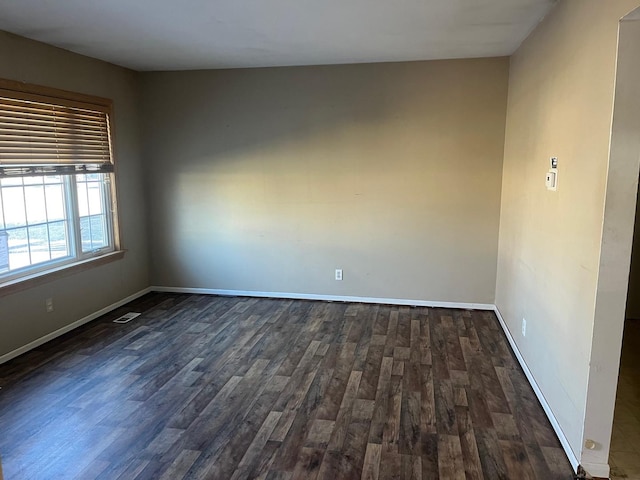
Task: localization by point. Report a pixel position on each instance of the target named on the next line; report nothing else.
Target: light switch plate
(551, 180)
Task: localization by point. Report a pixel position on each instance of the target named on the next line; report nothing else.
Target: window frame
(44, 272)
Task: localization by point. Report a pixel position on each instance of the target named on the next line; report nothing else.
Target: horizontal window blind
(50, 136)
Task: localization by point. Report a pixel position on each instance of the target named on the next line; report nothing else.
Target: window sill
(24, 283)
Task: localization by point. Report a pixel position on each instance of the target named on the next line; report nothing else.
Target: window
(57, 201)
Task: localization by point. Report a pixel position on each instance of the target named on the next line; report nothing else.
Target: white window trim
(34, 275)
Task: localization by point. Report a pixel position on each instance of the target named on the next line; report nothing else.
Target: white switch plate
(551, 180)
(524, 327)
(338, 274)
(49, 305)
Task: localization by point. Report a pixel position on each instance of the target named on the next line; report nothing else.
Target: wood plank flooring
(204, 387)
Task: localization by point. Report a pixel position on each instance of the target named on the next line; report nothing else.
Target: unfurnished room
(319, 240)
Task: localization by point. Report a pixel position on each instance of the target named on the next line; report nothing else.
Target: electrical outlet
(524, 327)
(338, 274)
(49, 305)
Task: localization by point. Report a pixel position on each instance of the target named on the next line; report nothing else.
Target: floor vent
(127, 317)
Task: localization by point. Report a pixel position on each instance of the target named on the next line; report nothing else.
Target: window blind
(40, 135)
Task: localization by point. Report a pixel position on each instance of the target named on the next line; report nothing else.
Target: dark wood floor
(229, 388)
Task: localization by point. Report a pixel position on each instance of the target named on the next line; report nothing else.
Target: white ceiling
(201, 34)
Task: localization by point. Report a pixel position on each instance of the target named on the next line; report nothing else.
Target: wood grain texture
(203, 387)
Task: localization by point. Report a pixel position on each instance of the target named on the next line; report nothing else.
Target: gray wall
(269, 179)
(22, 315)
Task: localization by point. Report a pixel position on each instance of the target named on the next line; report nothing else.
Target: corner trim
(597, 470)
(50, 336)
(329, 298)
(543, 401)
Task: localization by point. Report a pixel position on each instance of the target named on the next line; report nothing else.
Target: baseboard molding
(547, 408)
(36, 343)
(329, 298)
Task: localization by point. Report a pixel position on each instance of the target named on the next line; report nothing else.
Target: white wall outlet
(48, 303)
(524, 327)
(338, 274)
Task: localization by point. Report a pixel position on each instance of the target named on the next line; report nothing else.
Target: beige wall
(269, 179)
(561, 91)
(22, 315)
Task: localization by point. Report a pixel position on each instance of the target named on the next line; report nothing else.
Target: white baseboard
(330, 298)
(547, 409)
(36, 343)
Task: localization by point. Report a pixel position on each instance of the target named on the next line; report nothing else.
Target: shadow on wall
(269, 165)
(223, 114)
